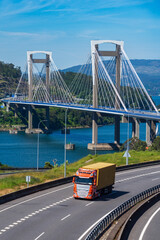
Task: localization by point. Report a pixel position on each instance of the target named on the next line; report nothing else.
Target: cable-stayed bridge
(107, 83)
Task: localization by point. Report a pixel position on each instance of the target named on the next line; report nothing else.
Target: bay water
(20, 150)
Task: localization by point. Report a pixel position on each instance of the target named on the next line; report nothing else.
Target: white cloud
(54, 35)
(116, 3)
(25, 6)
(62, 10)
(19, 34)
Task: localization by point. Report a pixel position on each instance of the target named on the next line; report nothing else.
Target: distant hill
(9, 78)
(148, 71)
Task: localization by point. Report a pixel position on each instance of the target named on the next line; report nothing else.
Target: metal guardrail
(117, 212)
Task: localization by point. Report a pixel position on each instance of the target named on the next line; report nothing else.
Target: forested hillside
(9, 78)
(148, 71)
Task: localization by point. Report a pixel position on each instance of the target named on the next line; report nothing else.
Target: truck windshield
(83, 180)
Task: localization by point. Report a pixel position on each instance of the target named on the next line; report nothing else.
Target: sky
(66, 28)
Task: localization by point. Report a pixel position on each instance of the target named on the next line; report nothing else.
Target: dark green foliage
(4, 166)
(48, 165)
(9, 78)
(68, 77)
(74, 118)
(156, 144)
(134, 144)
(8, 118)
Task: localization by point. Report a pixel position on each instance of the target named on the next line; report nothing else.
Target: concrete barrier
(139, 165)
(34, 189)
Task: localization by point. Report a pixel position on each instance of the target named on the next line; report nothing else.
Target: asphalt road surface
(54, 214)
(148, 225)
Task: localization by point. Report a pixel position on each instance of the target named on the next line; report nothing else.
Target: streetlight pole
(65, 142)
(38, 142)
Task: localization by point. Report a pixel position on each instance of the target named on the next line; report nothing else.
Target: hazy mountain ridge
(147, 69)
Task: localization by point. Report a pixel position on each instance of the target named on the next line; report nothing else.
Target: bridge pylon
(30, 61)
(117, 55)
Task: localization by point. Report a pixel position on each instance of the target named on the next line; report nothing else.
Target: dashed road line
(33, 214)
(66, 217)
(89, 204)
(42, 195)
(39, 236)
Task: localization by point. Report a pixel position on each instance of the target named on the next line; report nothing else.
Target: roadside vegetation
(11, 183)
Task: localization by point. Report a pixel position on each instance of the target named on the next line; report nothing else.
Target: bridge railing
(117, 212)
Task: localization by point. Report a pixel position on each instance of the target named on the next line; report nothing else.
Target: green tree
(134, 144)
(156, 144)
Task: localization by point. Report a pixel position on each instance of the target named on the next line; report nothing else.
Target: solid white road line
(155, 179)
(39, 236)
(147, 224)
(87, 231)
(136, 170)
(66, 217)
(141, 175)
(35, 198)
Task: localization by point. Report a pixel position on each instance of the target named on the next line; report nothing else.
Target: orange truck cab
(93, 180)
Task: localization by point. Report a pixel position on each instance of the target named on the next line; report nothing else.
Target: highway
(147, 226)
(55, 214)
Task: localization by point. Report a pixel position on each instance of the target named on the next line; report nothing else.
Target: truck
(93, 180)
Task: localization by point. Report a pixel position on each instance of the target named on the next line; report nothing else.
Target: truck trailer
(93, 180)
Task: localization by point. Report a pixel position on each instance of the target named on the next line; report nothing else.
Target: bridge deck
(148, 115)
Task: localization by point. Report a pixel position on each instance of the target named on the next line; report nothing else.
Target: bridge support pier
(30, 120)
(117, 130)
(135, 127)
(47, 118)
(94, 130)
(150, 131)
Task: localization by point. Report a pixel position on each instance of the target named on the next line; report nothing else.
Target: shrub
(156, 144)
(134, 144)
(48, 165)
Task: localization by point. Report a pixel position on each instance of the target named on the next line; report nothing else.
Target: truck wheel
(109, 189)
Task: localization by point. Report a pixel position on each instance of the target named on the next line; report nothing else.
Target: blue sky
(66, 28)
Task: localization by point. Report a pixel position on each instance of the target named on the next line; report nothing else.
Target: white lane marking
(141, 175)
(136, 170)
(45, 194)
(32, 214)
(81, 237)
(147, 224)
(39, 236)
(155, 179)
(15, 223)
(89, 204)
(66, 217)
